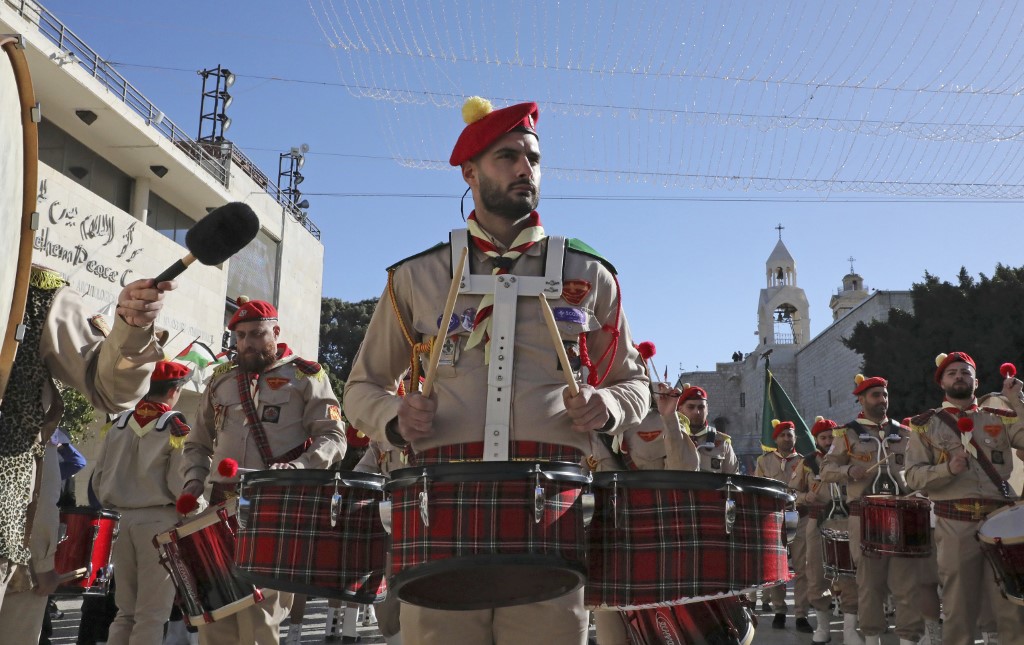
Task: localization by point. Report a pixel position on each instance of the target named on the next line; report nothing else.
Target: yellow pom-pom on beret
(821, 418)
(940, 358)
(476, 108)
(241, 300)
(775, 422)
(857, 380)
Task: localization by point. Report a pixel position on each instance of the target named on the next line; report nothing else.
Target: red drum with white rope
(667, 537)
(898, 526)
(1002, 541)
(19, 167)
(487, 534)
(82, 561)
(200, 556)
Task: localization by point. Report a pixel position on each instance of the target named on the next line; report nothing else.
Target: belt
(854, 507)
(968, 509)
(815, 511)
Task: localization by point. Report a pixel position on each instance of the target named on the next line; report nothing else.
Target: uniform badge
(453, 323)
(334, 413)
(574, 291)
(100, 324)
(276, 382)
(649, 435)
(997, 457)
(993, 430)
(468, 316)
(271, 413)
(572, 350)
(716, 464)
(570, 315)
(449, 351)
(899, 459)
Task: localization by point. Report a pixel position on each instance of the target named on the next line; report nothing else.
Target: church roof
(780, 256)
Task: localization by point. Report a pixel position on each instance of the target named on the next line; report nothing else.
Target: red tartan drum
(899, 526)
(200, 556)
(316, 532)
(835, 554)
(86, 537)
(667, 537)
(725, 621)
(1002, 541)
(487, 534)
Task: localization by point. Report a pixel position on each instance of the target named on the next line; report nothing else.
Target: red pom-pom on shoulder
(1008, 370)
(646, 350)
(186, 503)
(966, 424)
(227, 467)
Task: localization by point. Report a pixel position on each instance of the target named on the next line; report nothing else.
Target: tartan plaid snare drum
(898, 526)
(837, 560)
(316, 532)
(724, 621)
(1002, 541)
(200, 554)
(487, 534)
(83, 551)
(671, 537)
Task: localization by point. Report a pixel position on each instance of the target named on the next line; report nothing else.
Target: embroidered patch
(997, 457)
(861, 456)
(572, 350)
(453, 323)
(276, 382)
(899, 459)
(100, 324)
(271, 413)
(993, 430)
(716, 464)
(334, 413)
(574, 291)
(449, 352)
(649, 435)
(468, 316)
(570, 314)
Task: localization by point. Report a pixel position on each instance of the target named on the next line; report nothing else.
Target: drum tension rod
(538, 496)
(336, 500)
(615, 500)
(730, 504)
(424, 501)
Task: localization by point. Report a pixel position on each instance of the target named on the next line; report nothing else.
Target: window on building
(743, 399)
(253, 270)
(830, 398)
(73, 159)
(167, 220)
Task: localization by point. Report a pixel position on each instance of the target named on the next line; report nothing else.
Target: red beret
(823, 425)
(166, 371)
(942, 361)
(251, 311)
(865, 384)
(781, 427)
(692, 392)
(486, 126)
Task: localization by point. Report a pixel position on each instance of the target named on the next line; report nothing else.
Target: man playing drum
(713, 447)
(868, 456)
(520, 398)
(824, 506)
(960, 455)
(65, 341)
(267, 409)
(780, 464)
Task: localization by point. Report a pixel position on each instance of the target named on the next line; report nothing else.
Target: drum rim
(318, 476)
(479, 471)
(225, 611)
(207, 518)
(991, 539)
(283, 584)
(895, 501)
(706, 481)
(101, 513)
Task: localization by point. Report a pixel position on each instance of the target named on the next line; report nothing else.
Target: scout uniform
(139, 473)
(714, 448)
(962, 501)
(62, 341)
(286, 414)
(815, 499)
(511, 385)
(866, 443)
(781, 468)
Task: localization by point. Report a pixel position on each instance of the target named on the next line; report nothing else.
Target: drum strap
(1001, 484)
(256, 428)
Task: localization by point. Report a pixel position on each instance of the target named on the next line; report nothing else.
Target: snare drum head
(1006, 523)
(18, 171)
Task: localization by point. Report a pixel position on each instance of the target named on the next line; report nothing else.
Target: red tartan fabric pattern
(671, 545)
(518, 451)
(970, 509)
(486, 518)
(288, 537)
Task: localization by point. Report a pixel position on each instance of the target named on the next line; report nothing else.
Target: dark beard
(497, 201)
(959, 391)
(257, 361)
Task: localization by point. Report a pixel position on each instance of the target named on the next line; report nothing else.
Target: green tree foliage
(78, 413)
(342, 327)
(981, 317)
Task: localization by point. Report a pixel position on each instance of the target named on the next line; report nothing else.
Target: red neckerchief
(956, 410)
(146, 411)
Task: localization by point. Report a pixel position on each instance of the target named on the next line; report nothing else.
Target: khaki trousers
(21, 617)
(819, 588)
(798, 562)
(259, 624)
(877, 576)
(610, 628)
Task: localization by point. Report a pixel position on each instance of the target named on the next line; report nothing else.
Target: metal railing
(214, 158)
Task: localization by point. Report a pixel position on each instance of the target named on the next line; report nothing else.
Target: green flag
(777, 405)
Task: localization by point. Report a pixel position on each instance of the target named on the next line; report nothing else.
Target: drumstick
(879, 463)
(556, 338)
(72, 575)
(442, 329)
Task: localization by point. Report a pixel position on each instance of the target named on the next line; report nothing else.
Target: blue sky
(690, 254)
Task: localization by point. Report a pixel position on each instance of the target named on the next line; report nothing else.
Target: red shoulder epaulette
(178, 427)
(308, 368)
(999, 412)
(922, 418)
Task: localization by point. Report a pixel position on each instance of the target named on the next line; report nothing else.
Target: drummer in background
(780, 464)
(499, 156)
(825, 506)
(64, 340)
(713, 447)
(955, 453)
(139, 473)
(868, 455)
(267, 409)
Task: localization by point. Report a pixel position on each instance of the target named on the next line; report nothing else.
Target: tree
(342, 327)
(980, 317)
(78, 412)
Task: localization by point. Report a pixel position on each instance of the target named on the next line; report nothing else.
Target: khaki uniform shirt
(292, 407)
(810, 489)
(778, 467)
(658, 443)
(716, 457)
(932, 443)
(421, 287)
(850, 447)
(382, 458)
(138, 466)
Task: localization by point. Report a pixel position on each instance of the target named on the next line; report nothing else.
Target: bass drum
(19, 166)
